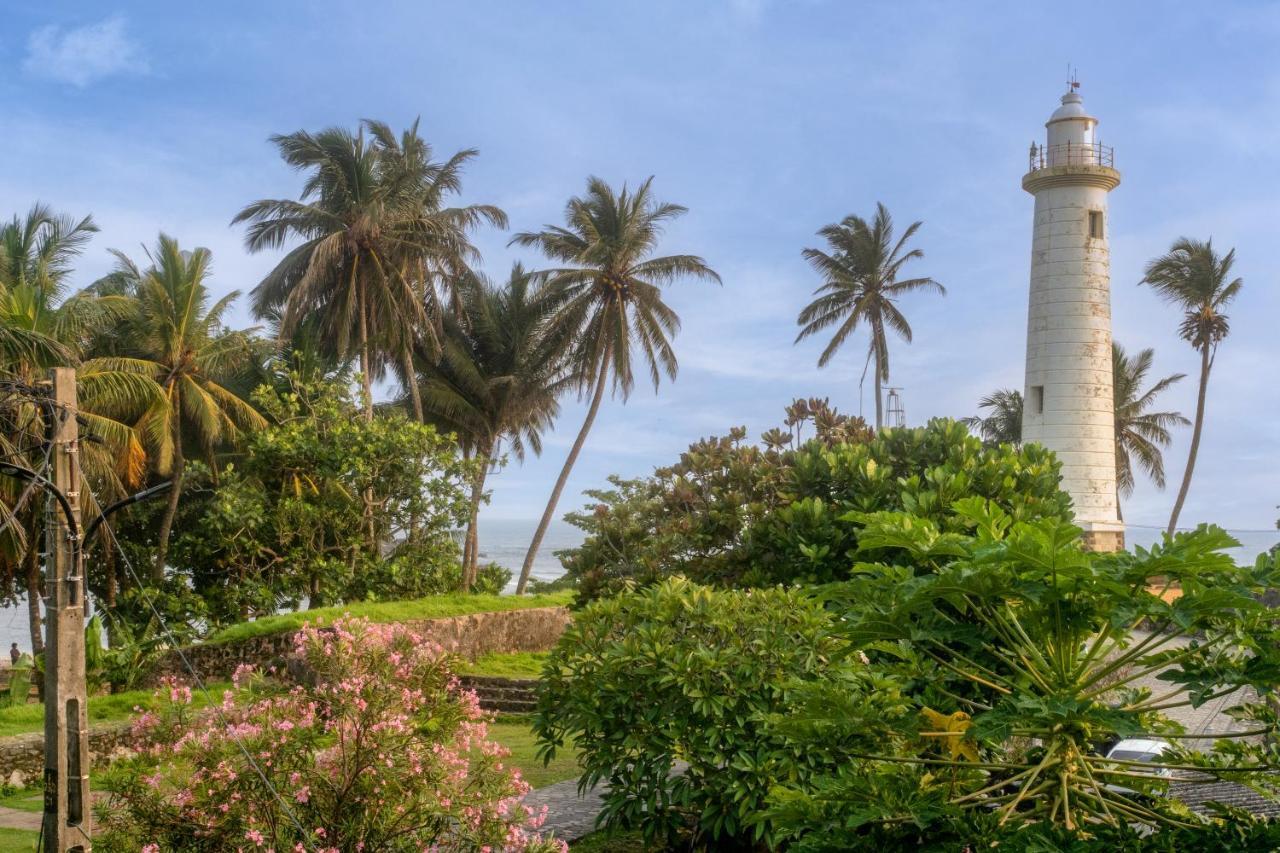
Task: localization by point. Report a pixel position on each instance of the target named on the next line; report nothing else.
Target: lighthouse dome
(1072, 107)
(1070, 124)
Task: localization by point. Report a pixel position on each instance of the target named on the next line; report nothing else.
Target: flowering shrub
(378, 749)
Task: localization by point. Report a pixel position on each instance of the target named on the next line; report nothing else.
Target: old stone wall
(532, 630)
(22, 756)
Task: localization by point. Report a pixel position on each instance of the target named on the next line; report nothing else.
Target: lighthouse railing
(1072, 154)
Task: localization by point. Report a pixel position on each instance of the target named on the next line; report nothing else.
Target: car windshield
(1134, 755)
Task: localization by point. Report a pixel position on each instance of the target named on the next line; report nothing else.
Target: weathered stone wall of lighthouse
(1068, 394)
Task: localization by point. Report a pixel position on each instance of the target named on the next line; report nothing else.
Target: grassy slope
(506, 664)
(433, 607)
(21, 719)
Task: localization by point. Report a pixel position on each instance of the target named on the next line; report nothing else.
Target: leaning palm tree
(496, 378)
(376, 237)
(1140, 434)
(1196, 279)
(1004, 424)
(178, 341)
(861, 286)
(610, 302)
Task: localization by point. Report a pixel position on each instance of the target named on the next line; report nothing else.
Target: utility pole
(67, 820)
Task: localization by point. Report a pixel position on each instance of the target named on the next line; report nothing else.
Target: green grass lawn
(17, 840)
(514, 733)
(28, 799)
(600, 842)
(21, 719)
(434, 607)
(506, 664)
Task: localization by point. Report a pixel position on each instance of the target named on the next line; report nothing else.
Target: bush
(378, 750)
(683, 673)
(1021, 654)
(734, 514)
(312, 508)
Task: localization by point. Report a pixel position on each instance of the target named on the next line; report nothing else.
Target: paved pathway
(569, 816)
(18, 819)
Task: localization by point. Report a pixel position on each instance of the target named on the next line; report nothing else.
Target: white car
(1145, 750)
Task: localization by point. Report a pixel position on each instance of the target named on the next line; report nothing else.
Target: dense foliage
(379, 749)
(326, 506)
(732, 513)
(666, 691)
(1021, 655)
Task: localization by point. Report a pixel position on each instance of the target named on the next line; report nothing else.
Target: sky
(768, 120)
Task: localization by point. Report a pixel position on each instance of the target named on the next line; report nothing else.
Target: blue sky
(767, 119)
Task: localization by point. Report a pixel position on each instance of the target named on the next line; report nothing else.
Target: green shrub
(733, 514)
(1021, 653)
(679, 672)
(1230, 831)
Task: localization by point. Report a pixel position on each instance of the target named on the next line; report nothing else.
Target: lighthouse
(1067, 401)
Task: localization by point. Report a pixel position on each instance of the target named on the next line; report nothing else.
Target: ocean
(505, 542)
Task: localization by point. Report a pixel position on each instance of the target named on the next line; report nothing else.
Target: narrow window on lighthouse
(1037, 399)
(1095, 224)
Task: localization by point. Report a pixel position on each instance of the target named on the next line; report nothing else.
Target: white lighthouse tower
(1068, 404)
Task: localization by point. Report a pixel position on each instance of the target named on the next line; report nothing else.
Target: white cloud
(83, 55)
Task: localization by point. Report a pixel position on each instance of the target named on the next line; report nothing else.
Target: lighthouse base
(1103, 537)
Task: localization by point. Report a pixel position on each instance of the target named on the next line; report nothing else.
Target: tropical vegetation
(1141, 434)
(860, 287)
(611, 305)
(732, 513)
(349, 764)
(835, 636)
(1194, 278)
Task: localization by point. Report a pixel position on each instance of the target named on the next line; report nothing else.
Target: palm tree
(178, 341)
(376, 241)
(1140, 434)
(1196, 279)
(497, 378)
(609, 302)
(42, 327)
(1004, 424)
(861, 286)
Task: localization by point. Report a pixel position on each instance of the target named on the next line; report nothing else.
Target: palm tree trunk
(471, 555)
(1205, 364)
(1119, 509)
(466, 537)
(564, 475)
(171, 510)
(411, 379)
(109, 564)
(366, 371)
(879, 396)
(31, 561)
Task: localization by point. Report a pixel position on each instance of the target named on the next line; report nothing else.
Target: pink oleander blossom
(379, 728)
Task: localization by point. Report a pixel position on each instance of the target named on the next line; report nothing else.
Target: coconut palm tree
(861, 286)
(1193, 277)
(178, 341)
(1004, 424)
(496, 379)
(609, 302)
(1140, 434)
(41, 326)
(376, 242)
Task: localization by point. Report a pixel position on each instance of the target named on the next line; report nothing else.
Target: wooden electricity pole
(66, 744)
